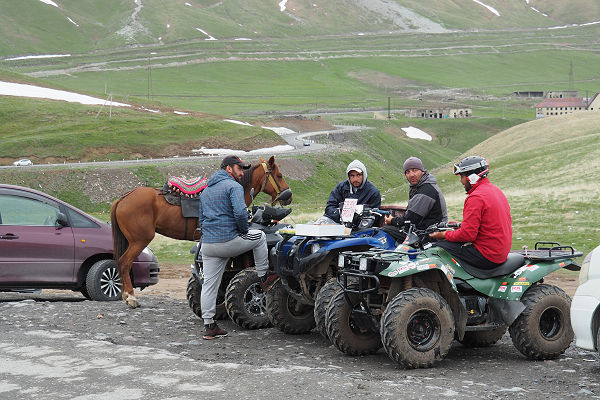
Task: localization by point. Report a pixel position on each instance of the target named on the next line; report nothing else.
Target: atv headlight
(362, 264)
(585, 268)
(314, 247)
(340, 261)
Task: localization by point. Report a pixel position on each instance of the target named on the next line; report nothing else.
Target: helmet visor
(456, 169)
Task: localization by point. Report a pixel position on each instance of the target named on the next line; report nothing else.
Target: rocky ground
(58, 345)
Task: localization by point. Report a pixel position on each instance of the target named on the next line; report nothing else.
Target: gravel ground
(58, 345)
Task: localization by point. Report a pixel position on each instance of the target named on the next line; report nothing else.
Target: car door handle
(9, 236)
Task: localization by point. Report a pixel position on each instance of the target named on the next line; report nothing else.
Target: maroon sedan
(46, 243)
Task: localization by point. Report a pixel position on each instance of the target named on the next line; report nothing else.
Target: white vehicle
(22, 162)
(585, 306)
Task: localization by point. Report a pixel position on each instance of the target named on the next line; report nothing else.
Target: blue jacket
(223, 213)
(367, 194)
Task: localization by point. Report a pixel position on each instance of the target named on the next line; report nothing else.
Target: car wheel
(103, 282)
(543, 330)
(85, 293)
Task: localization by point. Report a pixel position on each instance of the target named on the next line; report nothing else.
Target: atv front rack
(548, 251)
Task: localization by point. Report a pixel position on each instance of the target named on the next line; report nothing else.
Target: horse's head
(273, 182)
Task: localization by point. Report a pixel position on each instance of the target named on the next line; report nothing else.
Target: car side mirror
(61, 220)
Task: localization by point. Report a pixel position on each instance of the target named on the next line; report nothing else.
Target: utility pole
(149, 89)
(389, 111)
(571, 81)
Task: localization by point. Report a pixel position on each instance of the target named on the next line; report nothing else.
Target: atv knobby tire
(343, 331)
(193, 294)
(483, 338)
(543, 330)
(286, 313)
(329, 289)
(417, 328)
(245, 301)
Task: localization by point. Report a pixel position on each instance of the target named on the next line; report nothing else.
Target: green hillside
(77, 26)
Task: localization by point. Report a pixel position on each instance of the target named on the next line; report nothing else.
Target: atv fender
(515, 284)
(504, 310)
(399, 269)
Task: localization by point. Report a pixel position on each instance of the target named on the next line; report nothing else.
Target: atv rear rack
(548, 251)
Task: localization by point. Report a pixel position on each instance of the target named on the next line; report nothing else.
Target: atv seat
(513, 261)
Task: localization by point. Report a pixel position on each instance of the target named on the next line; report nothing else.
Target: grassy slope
(52, 130)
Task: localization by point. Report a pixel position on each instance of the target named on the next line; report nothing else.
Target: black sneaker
(268, 281)
(212, 331)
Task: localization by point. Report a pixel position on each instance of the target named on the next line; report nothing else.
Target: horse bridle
(270, 178)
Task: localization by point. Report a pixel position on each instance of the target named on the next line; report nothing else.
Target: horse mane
(246, 180)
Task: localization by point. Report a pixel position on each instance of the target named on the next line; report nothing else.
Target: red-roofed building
(566, 105)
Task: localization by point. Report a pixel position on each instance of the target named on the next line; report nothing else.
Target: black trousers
(468, 253)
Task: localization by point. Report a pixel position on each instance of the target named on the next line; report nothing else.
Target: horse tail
(120, 242)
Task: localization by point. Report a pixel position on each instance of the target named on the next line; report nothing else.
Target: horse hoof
(132, 301)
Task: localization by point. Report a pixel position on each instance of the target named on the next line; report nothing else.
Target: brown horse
(137, 215)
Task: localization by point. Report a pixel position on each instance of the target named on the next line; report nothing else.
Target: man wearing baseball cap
(426, 203)
(356, 186)
(223, 219)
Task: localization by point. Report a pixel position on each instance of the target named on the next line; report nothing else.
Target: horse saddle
(185, 193)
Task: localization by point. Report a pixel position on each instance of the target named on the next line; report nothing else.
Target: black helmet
(472, 165)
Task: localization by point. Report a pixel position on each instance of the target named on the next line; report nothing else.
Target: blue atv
(307, 266)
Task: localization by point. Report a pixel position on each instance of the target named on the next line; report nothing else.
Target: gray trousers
(214, 260)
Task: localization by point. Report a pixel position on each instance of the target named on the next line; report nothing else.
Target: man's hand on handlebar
(388, 219)
(438, 235)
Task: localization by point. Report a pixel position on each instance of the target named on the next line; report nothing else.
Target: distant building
(439, 112)
(566, 105)
(528, 94)
(562, 94)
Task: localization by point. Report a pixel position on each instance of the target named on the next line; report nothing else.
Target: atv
(240, 295)
(416, 299)
(307, 266)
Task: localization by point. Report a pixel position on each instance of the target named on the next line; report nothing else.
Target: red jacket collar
(475, 186)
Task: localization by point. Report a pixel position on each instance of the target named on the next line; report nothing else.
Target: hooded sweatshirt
(426, 204)
(223, 213)
(367, 194)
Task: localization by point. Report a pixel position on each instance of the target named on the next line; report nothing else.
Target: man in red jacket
(485, 235)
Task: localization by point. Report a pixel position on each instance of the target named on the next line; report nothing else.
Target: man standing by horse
(223, 219)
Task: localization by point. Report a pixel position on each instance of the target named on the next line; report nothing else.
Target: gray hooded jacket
(366, 193)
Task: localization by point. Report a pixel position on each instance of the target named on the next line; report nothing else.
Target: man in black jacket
(426, 203)
(355, 187)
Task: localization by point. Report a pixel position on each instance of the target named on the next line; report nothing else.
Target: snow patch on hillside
(574, 25)
(492, 9)
(403, 17)
(416, 133)
(207, 34)
(282, 4)
(49, 2)
(23, 90)
(275, 149)
(38, 56)
(73, 22)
